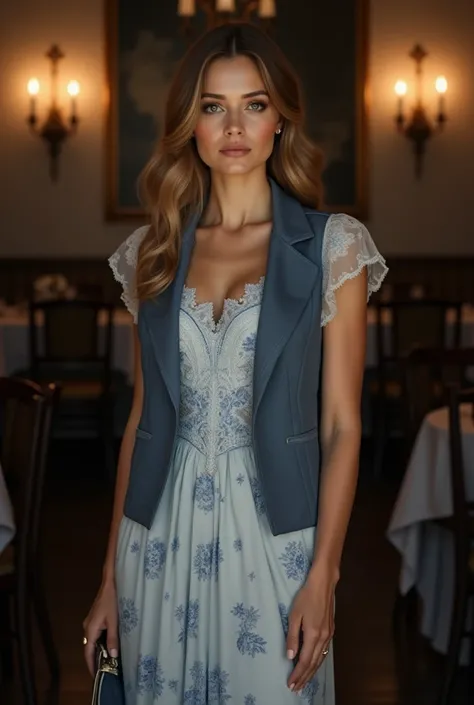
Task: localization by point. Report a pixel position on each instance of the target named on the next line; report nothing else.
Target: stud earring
(278, 130)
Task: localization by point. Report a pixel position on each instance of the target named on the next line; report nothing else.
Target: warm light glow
(400, 88)
(73, 88)
(186, 8)
(266, 8)
(225, 6)
(33, 86)
(441, 84)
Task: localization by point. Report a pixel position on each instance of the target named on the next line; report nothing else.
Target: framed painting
(327, 43)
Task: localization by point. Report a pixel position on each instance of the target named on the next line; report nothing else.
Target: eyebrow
(219, 96)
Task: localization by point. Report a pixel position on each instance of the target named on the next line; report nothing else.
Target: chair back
(71, 339)
(416, 323)
(427, 376)
(26, 411)
(461, 412)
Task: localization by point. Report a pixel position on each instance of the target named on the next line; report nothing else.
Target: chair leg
(44, 624)
(458, 622)
(6, 635)
(24, 644)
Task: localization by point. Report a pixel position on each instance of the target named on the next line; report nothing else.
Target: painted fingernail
(290, 653)
(291, 686)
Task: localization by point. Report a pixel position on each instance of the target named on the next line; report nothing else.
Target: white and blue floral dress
(204, 595)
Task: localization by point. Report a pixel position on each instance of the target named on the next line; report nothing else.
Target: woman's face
(236, 128)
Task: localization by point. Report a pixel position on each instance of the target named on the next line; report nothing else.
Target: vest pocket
(306, 436)
(140, 433)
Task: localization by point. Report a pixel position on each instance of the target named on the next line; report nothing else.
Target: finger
(112, 639)
(318, 658)
(293, 637)
(92, 635)
(304, 660)
(318, 645)
(308, 674)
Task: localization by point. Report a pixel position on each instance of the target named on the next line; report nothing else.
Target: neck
(237, 201)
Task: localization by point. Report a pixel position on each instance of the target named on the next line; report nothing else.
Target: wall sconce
(420, 128)
(54, 130)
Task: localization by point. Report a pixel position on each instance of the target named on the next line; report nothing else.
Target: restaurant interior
(389, 87)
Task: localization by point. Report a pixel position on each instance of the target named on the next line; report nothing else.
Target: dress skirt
(204, 594)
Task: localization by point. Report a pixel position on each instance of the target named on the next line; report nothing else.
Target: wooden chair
(402, 326)
(71, 343)
(461, 525)
(26, 412)
(427, 376)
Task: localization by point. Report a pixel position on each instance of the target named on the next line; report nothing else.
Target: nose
(233, 127)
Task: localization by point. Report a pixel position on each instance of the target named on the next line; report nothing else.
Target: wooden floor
(367, 669)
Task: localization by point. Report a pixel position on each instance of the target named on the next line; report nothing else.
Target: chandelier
(218, 12)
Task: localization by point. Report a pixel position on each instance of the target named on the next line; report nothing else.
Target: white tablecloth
(7, 524)
(426, 549)
(14, 351)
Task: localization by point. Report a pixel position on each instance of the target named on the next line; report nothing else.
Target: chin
(239, 166)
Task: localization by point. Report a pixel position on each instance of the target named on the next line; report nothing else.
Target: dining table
(427, 549)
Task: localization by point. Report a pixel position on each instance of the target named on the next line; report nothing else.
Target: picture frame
(326, 43)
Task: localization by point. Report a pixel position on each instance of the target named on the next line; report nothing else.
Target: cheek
(205, 133)
(264, 131)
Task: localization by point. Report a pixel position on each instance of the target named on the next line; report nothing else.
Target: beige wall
(44, 219)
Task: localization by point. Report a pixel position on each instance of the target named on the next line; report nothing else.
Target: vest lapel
(289, 281)
(162, 318)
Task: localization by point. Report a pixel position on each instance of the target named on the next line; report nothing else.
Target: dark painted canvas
(326, 42)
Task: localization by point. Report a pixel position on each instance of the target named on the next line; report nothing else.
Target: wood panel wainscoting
(443, 277)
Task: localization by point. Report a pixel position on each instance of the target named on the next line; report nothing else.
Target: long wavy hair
(175, 181)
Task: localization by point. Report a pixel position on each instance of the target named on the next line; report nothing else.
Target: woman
(224, 553)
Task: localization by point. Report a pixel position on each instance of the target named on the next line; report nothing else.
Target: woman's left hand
(313, 613)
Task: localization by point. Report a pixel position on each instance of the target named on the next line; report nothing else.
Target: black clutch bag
(108, 681)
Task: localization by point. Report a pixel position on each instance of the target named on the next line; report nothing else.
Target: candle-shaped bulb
(441, 85)
(400, 88)
(33, 87)
(73, 88)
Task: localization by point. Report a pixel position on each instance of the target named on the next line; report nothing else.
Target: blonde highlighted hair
(175, 181)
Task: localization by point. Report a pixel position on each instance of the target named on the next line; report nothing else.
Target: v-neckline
(228, 301)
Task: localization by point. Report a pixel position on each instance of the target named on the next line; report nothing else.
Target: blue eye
(257, 105)
(209, 108)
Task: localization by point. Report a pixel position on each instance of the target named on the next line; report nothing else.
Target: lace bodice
(217, 372)
(347, 249)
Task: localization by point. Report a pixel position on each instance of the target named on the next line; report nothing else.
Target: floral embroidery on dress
(128, 615)
(217, 378)
(188, 618)
(248, 641)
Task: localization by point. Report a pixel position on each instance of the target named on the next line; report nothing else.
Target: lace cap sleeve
(347, 249)
(123, 263)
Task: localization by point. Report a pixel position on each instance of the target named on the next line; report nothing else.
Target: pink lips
(235, 152)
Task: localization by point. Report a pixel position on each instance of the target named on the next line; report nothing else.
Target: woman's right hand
(102, 615)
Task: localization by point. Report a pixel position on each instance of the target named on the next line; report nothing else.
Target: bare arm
(343, 369)
(125, 458)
